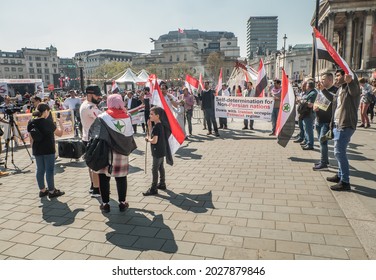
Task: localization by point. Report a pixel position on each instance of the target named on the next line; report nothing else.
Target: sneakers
(43, 194)
(161, 186)
(320, 167)
(307, 148)
(362, 125)
(298, 141)
(123, 206)
(341, 186)
(95, 192)
(334, 179)
(56, 193)
(303, 143)
(150, 191)
(105, 207)
(245, 128)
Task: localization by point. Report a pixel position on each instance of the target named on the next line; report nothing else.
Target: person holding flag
(344, 120)
(207, 98)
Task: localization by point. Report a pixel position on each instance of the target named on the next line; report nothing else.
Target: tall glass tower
(262, 35)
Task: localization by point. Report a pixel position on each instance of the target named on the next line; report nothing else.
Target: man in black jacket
(207, 98)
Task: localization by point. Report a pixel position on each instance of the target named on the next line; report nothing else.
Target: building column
(366, 42)
(349, 35)
(332, 17)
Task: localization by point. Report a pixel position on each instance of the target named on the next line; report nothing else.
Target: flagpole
(314, 56)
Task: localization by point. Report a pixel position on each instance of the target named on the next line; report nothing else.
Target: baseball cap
(93, 89)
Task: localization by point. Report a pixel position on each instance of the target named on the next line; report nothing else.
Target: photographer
(42, 131)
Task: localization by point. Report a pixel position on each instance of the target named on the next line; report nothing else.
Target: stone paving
(239, 196)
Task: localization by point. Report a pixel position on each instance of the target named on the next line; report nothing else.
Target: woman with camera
(42, 130)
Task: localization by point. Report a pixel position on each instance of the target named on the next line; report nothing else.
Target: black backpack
(97, 154)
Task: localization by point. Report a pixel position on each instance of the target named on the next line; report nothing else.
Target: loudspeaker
(70, 148)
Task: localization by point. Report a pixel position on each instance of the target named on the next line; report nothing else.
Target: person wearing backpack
(43, 130)
(115, 128)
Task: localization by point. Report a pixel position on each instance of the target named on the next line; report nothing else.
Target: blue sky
(78, 25)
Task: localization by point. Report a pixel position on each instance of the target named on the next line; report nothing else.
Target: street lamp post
(284, 51)
(80, 64)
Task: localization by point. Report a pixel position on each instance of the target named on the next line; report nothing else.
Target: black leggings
(104, 186)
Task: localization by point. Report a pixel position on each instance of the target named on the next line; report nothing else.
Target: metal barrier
(197, 115)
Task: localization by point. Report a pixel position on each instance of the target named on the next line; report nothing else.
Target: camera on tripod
(10, 110)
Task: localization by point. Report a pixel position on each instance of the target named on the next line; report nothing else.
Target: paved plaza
(239, 196)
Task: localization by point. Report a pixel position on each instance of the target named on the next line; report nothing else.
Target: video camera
(10, 110)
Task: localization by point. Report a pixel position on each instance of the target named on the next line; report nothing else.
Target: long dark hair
(41, 108)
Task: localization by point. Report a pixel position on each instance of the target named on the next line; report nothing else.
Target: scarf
(117, 113)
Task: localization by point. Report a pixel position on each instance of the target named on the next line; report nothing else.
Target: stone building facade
(191, 48)
(350, 27)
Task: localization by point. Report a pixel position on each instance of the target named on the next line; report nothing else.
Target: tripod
(10, 139)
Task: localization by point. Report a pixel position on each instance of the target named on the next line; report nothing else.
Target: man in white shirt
(88, 113)
(72, 102)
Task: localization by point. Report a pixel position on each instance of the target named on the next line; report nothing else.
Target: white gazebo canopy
(128, 77)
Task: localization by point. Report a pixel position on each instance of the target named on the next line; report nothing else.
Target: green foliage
(214, 64)
(110, 69)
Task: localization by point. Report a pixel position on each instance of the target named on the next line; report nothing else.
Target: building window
(20, 69)
(185, 57)
(45, 58)
(30, 58)
(14, 69)
(31, 70)
(47, 77)
(170, 58)
(39, 71)
(32, 77)
(31, 64)
(6, 69)
(20, 76)
(177, 58)
(55, 71)
(19, 61)
(53, 59)
(45, 65)
(39, 76)
(12, 61)
(47, 71)
(5, 61)
(39, 64)
(37, 58)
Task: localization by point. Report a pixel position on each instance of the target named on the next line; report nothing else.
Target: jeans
(342, 139)
(158, 166)
(274, 119)
(188, 118)
(322, 129)
(301, 132)
(210, 119)
(308, 130)
(45, 165)
(104, 185)
(251, 122)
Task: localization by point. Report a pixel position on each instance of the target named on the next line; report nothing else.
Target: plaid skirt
(120, 166)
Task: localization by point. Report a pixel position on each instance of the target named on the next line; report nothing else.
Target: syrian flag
(201, 82)
(326, 51)
(262, 81)
(191, 83)
(219, 85)
(174, 134)
(115, 87)
(286, 116)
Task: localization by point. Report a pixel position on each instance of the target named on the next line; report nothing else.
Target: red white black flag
(262, 81)
(191, 84)
(326, 51)
(286, 116)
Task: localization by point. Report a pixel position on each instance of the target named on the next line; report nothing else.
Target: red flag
(181, 31)
(191, 83)
(326, 51)
(219, 85)
(286, 116)
(174, 133)
(201, 82)
(262, 81)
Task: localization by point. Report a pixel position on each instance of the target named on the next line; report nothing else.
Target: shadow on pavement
(365, 191)
(186, 153)
(134, 230)
(196, 203)
(58, 213)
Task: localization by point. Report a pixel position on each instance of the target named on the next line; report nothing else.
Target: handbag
(327, 136)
